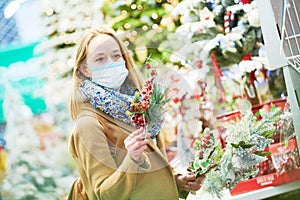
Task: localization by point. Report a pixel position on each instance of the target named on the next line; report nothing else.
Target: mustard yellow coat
(106, 170)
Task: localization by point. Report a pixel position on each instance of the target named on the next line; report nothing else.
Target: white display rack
(268, 191)
(280, 24)
(290, 40)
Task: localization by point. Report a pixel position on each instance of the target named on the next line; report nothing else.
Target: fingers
(137, 153)
(183, 179)
(136, 143)
(137, 132)
(135, 139)
(190, 177)
(140, 132)
(193, 186)
(189, 182)
(199, 179)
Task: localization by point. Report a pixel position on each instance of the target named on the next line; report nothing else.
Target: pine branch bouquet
(148, 105)
(208, 153)
(245, 147)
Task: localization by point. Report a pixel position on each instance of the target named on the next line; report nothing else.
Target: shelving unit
(280, 27)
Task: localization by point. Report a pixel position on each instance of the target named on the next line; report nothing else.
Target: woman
(114, 160)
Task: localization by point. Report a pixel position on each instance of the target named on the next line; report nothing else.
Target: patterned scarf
(115, 104)
(111, 102)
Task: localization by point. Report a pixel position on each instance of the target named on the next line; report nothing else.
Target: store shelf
(268, 191)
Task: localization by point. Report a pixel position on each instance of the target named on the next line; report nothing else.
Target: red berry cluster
(265, 167)
(143, 100)
(138, 119)
(287, 165)
(207, 148)
(206, 143)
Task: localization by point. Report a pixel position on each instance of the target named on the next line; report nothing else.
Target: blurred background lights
(133, 6)
(11, 9)
(154, 15)
(49, 12)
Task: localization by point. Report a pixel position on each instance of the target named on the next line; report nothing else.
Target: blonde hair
(76, 99)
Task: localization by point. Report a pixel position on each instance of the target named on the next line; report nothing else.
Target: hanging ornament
(206, 14)
(247, 56)
(226, 22)
(265, 73)
(245, 1)
(252, 77)
(218, 74)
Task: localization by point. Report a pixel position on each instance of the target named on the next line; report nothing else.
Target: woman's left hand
(189, 182)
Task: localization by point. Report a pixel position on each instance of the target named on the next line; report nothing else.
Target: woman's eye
(116, 56)
(100, 59)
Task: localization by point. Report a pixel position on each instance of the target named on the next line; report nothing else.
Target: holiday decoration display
(223, 40)
(265, 167)
(286, 125)
(213, 56)
(32, 171)
(285, 155)
(189, 110)
(245, 146)
(264, 181)
(147, 108)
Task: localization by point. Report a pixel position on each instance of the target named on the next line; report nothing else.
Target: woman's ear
(84, 70)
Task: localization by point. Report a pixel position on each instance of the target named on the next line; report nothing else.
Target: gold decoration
(140, 7)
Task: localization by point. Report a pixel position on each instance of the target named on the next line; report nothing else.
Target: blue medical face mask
(111, 75)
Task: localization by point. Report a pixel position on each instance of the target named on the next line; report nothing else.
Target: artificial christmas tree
(64, 22)
(143, 25)
(32, 172)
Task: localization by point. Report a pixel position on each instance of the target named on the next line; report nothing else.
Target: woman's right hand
(135, 144)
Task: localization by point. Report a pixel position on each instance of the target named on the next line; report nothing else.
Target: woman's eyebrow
(95, 54)
(116, 50)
